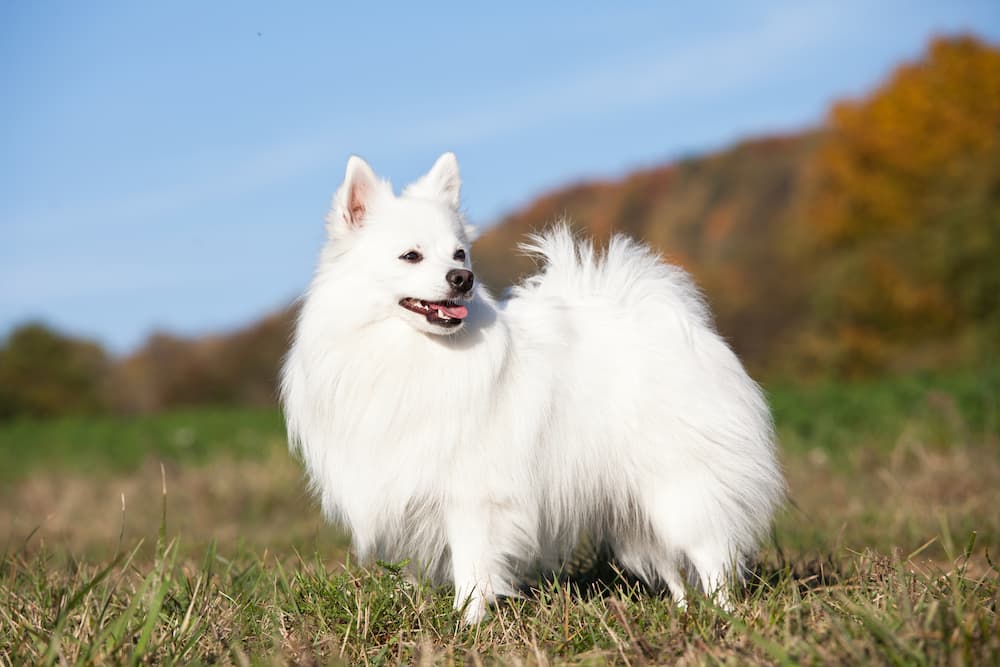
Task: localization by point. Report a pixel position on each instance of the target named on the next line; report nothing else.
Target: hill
(867, 246)
(727, 218)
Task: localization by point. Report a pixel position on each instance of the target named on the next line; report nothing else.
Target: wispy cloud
(652, 75)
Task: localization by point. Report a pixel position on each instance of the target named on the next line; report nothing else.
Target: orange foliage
(904, 212)
(887, 153)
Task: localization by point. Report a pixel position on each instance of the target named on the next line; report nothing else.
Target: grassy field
(188, 537)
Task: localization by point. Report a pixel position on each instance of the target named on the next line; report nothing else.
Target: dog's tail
(625, 270)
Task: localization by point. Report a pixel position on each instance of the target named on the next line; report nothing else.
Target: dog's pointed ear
(353, 199)
(442, 182)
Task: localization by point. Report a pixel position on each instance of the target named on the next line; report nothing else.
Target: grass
(867, 608)
(942, 410)
(887, 555)
(98, 445)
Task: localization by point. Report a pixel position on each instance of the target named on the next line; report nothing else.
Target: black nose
(460, 279)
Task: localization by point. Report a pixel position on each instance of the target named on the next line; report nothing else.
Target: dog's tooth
(441, 314)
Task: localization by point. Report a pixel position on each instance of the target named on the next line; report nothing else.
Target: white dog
(480, 439)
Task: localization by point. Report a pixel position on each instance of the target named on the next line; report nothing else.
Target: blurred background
(829, 173)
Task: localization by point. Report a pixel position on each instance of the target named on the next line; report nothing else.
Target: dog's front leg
(479, 571)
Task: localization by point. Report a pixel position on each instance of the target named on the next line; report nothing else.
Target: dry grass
(255, 503)
(823, 597)
(871, 609)
(897, 500)
(886, 556)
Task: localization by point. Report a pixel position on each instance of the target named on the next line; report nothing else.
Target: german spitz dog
(482, 439)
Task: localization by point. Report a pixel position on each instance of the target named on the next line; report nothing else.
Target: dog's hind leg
(668, 570)
(678, 540)
(647, 559)
(714, 565)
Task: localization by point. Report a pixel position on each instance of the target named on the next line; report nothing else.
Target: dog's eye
(459, 255)
(413, 257)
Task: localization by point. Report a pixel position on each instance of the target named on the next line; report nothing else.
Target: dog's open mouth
(442, 313)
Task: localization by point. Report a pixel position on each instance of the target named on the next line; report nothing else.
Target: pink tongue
(456, 312)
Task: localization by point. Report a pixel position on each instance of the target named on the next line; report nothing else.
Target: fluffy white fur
(596, 399)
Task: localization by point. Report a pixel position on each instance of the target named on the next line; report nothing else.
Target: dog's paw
(474, 608)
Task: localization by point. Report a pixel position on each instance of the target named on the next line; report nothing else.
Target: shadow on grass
(600, 575)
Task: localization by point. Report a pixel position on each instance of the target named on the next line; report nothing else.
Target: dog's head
(411, 251)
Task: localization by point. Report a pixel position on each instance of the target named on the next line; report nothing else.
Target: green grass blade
(55, 641)
(163, 573)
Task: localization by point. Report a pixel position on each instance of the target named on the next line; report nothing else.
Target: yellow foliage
(884, 154)
(903, 212)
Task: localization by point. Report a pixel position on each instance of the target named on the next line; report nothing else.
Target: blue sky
(168, 166)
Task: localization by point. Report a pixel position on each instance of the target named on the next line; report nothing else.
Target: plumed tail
(626, 270)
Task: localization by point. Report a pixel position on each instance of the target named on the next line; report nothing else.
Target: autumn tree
(905, 215)
(44, 373)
